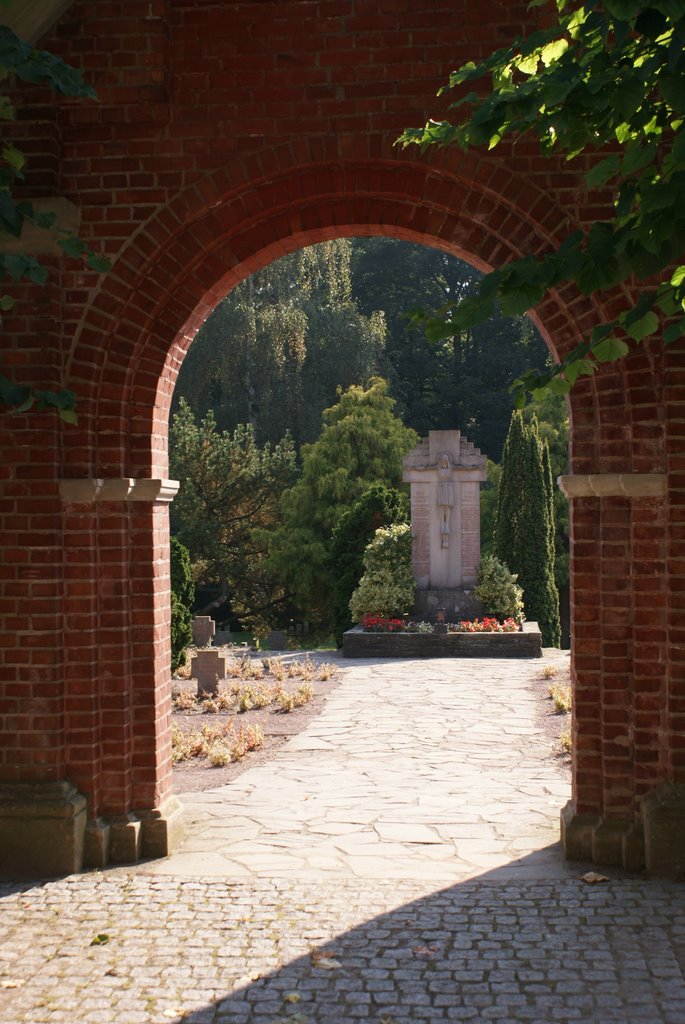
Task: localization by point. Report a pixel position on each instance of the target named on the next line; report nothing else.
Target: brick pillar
(663, 805)
(619, 580)
(119, 694)
(90, 780)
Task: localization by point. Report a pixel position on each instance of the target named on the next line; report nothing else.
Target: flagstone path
(433, 770)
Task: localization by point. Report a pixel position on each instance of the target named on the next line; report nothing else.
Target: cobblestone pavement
(414, 769)
(263, 951)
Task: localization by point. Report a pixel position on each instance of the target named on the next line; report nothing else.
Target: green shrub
(182, 597)
(378, 506)
(497, 589)
(387, 586)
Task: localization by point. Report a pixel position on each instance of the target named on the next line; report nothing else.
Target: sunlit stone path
(437, 770)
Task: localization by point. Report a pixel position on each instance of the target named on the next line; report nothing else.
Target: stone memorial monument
(444, 472)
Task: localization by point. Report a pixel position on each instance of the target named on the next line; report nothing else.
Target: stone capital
(123, 489)
(613, 485)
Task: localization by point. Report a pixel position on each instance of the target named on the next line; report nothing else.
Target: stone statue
(445, 496)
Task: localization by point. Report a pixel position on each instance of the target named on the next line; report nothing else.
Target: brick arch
(224, 136)
(236, 220)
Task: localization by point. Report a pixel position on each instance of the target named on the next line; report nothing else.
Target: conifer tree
(362, 443)
(182, 597)
(378, 506)
(524, 531)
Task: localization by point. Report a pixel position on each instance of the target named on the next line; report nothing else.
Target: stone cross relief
(444, 472)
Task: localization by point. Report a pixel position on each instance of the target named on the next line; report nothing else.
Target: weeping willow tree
(276, 350)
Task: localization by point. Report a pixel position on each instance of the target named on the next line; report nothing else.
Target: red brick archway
(86, 592)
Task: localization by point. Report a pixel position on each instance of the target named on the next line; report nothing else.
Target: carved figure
(445, 496)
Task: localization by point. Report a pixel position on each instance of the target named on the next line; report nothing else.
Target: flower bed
(467, 640)
(489, 624)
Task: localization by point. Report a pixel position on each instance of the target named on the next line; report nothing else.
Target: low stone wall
(526, 644)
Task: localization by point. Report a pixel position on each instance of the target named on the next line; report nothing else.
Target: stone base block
(42, 827)
(163, 829)
(457, 604)
(605, 842)
(124, 839)
(576, 832)
(96, 845)
(663, 812)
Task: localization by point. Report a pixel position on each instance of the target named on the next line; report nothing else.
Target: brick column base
(45, 833)
(42, 825)
(139, 835)
(657, 846)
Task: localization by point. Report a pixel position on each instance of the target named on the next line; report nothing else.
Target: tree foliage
(524, 529)
(387, 586)
(362, 443)
(274, 352)
(378, 506)
(182, 597)
(551, 413)
(20, 61)
(229, 497)
(606, 80)
(497, 589)
(460, 382)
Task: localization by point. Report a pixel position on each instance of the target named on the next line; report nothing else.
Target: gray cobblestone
(212, 952)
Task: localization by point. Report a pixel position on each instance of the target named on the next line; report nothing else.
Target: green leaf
(15, 395)
(6, 302)
(12, 156)
(678, 277)
(68, 416)
(672, 88)
(72, 246)
(101, 939)
(647, 325)
(559, 386)
(603, 171)
(553, 51)
(99, 263)
(609, 350)
(637, 156)
(624, 10)
(579, 368)
(674, 331)
(18, 266)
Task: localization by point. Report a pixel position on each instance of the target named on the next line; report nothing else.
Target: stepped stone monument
(444, 472)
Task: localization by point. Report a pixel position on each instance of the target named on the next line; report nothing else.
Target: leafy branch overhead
(607, 81)
(20, 61)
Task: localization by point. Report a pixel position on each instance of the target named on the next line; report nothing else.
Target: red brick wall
(224, 136)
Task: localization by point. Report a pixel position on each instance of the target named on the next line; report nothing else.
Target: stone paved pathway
(331, 942)
(431, 770)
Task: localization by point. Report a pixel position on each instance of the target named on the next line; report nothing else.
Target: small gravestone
(221, 637)
(208, 667)
(277, 640)
(203, 630)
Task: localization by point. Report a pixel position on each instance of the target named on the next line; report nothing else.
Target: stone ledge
(613, 485)
(527, 644)
(89, 489)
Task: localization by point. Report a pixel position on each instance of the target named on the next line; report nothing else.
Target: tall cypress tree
(524, 531)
